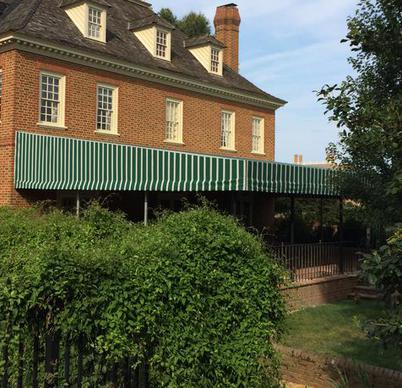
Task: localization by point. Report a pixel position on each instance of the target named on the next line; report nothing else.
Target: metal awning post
(78, 204)
(321, 220)
(146, 208)
(292, 219)
(341, 252)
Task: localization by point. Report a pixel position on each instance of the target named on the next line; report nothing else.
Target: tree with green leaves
(367, 107)
(193, 24)
(169, 16)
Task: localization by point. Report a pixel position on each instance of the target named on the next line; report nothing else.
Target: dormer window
(155, 34)
(208, 51)
(161, 43)
(89, 17)
(215, 60)
(94, 22)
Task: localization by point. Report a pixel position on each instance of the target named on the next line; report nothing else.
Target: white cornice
(108, 63)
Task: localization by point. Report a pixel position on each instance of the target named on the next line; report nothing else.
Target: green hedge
(194, 295)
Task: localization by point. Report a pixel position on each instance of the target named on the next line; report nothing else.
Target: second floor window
(94, 23)
(1, 90)
(258, 135)
(52, 99)
(214, 60)
(174, 121)
(227, 130)
(161, 43)
(106, 115)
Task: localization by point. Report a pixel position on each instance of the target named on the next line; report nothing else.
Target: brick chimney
(298, 159)
(227, 26)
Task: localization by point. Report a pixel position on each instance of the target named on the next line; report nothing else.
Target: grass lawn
(335, 330)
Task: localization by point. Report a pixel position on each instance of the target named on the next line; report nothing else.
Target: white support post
(78, 204)
(146, 208)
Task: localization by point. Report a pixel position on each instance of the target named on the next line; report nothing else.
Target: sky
(290, 48)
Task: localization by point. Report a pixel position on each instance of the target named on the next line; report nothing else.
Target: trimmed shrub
(193, 296)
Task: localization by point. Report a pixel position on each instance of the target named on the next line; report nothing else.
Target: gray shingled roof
(202, 40)
(45, 19)
(148, 21)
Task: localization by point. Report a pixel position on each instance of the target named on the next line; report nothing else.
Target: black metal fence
(49, 361)
(313, 261)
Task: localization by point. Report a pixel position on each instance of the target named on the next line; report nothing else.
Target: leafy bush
(193, 296)
(383, 269)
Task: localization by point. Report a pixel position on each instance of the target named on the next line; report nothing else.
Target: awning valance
(61, 163)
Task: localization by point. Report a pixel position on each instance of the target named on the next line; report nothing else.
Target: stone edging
(350, 367)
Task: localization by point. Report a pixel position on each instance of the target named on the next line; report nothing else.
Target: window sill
(110, 133)
(258, 153)
(179, 143)
(228, 149)
(52, 126)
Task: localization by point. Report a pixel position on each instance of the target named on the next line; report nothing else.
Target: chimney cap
(228, 5)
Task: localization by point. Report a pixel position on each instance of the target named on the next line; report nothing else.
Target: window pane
(1, 90)
(257, 138)
(161, 44)
(104, 116)
(215, 60)
(226, 130)
(173, 120)
(94, 22)
(50, 99)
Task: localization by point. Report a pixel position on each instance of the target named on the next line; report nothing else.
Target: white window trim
(168, 44)
(232, 146)
(60, 124)
(1, 93)
(115, 107)
(180, 129)
(102, 37)
(220, 60)
(262, 136)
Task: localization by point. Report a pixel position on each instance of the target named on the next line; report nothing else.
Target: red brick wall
(320, 291)
(141, 114)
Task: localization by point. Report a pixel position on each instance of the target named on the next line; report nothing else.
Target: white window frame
(1, 92)
(215, 60)
(231, 143)
(167, 46)
(102, 31)
(179, 129)
(115, 104)
(260, 147)
(60, 123)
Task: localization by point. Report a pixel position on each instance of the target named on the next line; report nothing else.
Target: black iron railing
(51, 360)
(313, 261)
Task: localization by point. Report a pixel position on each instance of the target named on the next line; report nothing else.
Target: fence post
(292, 219)
(21, 349)
(35, 356)
(341, 250)
(6, 354)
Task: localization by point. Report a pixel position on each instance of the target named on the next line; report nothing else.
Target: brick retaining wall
(321, 372)
(320, 291)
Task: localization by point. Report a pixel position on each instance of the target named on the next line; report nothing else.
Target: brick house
(101, 97)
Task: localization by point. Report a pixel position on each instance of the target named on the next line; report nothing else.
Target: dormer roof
(152, 20)
(203, 41)
(67, 3)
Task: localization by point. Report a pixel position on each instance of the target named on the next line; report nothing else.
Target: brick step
(366, 290)
(365, 296)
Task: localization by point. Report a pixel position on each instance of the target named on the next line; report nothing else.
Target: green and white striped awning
(60, 163)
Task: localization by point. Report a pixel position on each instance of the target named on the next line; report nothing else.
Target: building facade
(114, 74)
